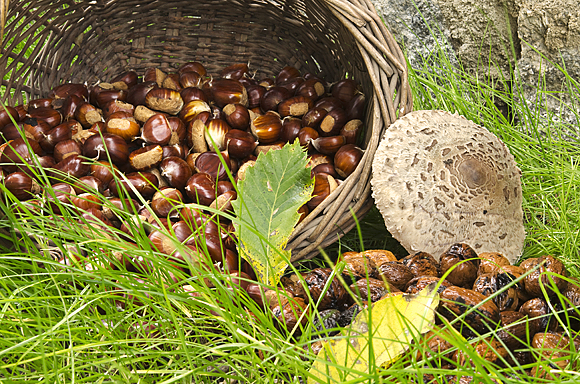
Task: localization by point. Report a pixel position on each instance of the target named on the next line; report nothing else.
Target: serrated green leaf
(382, 335)
(267, 205)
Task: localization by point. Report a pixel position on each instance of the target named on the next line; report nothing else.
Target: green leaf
(267, 206)
(381, 334)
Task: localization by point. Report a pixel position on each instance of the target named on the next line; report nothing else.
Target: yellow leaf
(376, 338)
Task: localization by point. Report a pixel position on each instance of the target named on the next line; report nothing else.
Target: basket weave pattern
(91, 41)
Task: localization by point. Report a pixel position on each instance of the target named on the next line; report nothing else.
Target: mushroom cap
(440, 179)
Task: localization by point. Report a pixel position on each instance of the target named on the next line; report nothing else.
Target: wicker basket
(88, 41)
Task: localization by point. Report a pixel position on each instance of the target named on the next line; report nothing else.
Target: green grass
(104, 325)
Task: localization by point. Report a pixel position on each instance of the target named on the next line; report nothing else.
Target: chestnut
(228, 91)
(164, 100)
(22, 186)
(123, 124)
(272, 97)
(68, 89)
(103, 171)
(201, 189)
(287, 73)
(59, 133)
(267, 127)
(237, 116)
(164, 201)
(328, 145)
(8, 115)
(210, 163)
(176, 171)
(351, 131)
(146, 157)
(71, 167)
(192, 109)
(50, 116)
(190, 79)
(143, 183)
(192, 66)
(66, 148)
(345, 90)
(255, 94)
(136, 94)
(290, 128)
(106, 145)
(239, 144)
(346, 159)
(172, 81)
(118, 106)
(88, 184)
(333, 122)
(192, 93)
(125, 80)
(235, 71)
(295, 106)
(157, 130)
(87, 115)
(215, 134)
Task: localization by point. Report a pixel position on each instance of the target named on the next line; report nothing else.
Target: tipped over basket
(50, 42)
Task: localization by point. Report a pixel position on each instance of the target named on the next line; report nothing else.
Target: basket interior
(90, 41)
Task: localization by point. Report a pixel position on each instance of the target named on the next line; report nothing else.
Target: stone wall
(489, 36)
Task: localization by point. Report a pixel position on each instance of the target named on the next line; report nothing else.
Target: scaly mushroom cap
(440, 179)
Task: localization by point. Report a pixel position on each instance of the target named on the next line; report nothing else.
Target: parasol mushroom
(440, 179)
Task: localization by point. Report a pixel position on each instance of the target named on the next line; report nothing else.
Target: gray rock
(489, 37)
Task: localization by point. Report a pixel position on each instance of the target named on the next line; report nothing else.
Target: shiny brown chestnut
(164, 100)
(51, 116)
(164, 203)
(8, 115)
(235, 71)
(192, 66)
(66, 148)
(103, 171)
(272, 97)
(328, 145)
(106, 96)
(314, 117)
(215, 134)
(305, 137)
(117, 106)
(35, 127)
(324, 185)
(122, 123)
(192, 93)
(70, 168)
(290, 128)
(22, 186)
(88, 184)
(255, 94)
(345, 90)
(296, 106)
(228, 91)
(210, 163)
(16, 152)
(346, 159)
(239, 144)
(190, 79)
(157, 130)
(146, 157)
(87, 115)
(267, 127)
(332, 122)
(201, 189)
(237, 116)
(69, 107)
(106, 145)
(136, 94)
(143, 183)
(355, 108)
(65, 90)
(287, 73)
(176, 171)
(312, 88)
(192, 109)
(125, 80)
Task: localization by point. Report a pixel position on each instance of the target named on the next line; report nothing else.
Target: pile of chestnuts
(171, 139)
(525, 319)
